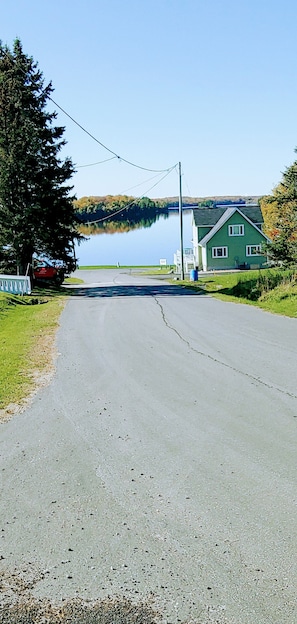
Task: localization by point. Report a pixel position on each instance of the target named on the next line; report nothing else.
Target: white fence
(15, 284)
(189, 260)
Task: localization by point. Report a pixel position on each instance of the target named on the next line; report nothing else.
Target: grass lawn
(114, 266)
(233, 286)
(73, 280)
(27, 338)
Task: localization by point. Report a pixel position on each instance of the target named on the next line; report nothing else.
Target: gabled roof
(227, 213)
(210, 216)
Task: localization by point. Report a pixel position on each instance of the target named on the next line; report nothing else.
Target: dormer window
(236, 230)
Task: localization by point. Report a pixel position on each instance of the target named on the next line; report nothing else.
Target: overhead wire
(132, 202)
(186, 182)
(115, 155)
(96, 163)
(140, 184)
(129, 162)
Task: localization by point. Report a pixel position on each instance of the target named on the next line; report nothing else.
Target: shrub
(255, 288)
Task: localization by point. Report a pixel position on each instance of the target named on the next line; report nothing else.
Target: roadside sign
(163, 262)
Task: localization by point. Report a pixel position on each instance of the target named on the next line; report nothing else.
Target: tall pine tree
(37, 215)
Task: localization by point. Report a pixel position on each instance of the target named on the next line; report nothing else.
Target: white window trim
(214, 251)
(249, 253)
(239, 225)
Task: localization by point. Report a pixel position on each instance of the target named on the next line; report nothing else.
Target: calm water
(137, 247)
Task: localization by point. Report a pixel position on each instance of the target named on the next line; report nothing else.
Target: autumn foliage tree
(121, 209)
(280, 218)
(37, 215)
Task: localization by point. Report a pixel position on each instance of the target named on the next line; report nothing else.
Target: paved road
(161, 460)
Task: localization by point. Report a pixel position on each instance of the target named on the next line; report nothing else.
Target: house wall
(236, 245)
(198, 234)
(202, 231)
(203, 261)
(195, 243)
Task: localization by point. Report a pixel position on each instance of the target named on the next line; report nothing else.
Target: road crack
(221, 362)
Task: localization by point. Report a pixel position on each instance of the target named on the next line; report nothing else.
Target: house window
(236, 230)
(220, 252)
(253, 250)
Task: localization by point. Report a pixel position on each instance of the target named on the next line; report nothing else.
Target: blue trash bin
(193, 275)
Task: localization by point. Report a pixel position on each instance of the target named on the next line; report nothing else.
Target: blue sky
(210, 83)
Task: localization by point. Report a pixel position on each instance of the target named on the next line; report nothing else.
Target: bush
(258, 287)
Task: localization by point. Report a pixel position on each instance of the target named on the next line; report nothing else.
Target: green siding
(202, 231)
(236, 245)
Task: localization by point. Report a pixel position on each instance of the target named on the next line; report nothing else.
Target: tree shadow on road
(156, 290)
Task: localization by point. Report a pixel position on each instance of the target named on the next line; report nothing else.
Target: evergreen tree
(37, 214)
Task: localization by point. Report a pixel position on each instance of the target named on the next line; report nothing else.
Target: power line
(133, 201)
(105, 146)
(96, 163)
(140, 184)
(187, 185)
(92, 136)
(165, 176)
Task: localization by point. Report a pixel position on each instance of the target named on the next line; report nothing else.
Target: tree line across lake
(117, 213)
(121, 213)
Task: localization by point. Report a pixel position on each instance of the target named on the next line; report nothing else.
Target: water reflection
(142, 244)
(112, 227)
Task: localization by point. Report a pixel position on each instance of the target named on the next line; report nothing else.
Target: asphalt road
(161, 460)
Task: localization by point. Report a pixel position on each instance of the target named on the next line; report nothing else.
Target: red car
(43, 271)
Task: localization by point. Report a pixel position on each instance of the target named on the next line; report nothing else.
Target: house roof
(227, 213)
(210, 216)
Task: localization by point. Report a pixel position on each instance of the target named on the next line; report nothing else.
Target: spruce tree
(37, 214)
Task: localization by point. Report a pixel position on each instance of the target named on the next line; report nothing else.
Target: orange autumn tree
(280, 218)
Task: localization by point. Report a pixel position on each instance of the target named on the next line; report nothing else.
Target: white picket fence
(15, 284)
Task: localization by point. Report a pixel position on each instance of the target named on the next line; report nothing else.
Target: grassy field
(114, 266)
(27, 329)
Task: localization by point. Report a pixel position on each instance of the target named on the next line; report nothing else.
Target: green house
(229, 237)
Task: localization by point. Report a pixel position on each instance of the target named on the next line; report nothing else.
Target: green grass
(164, 270)
(114, 266)
(27, 327)
(153, 269)
(282, 299)
(73, 280)
(273, 290)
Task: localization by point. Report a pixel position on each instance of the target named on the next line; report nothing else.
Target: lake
(144, 246)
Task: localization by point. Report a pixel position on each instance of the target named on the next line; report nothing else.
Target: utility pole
(182, 273)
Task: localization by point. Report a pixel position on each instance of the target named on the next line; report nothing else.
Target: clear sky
(210, 83)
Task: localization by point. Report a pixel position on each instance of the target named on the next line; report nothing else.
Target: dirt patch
(108, 611)
(19, 606)
(40, 378)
